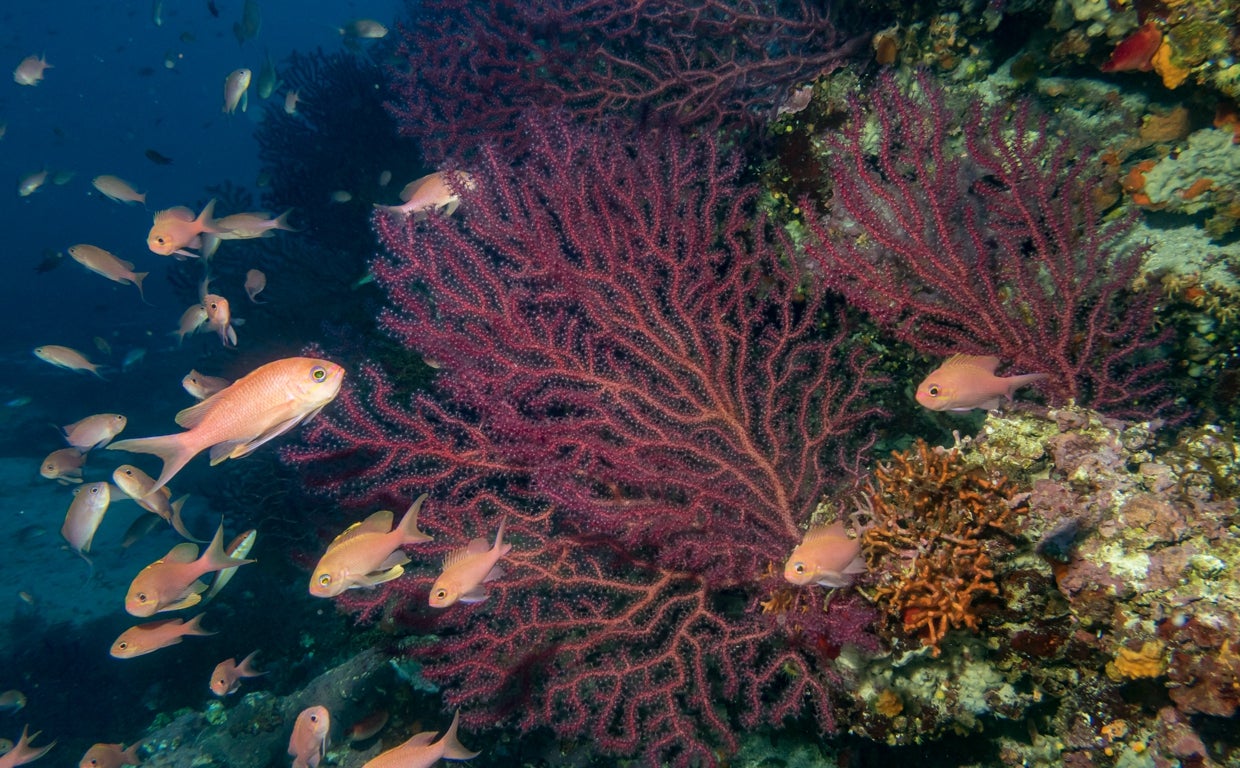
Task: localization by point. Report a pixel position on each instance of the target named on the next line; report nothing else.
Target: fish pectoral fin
(239, 449)
(396, 558)
(475, 595)
(189, 600)
(495, 573)
(381, 577)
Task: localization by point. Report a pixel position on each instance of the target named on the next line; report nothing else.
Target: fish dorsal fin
(834, 530)
(179, 212)
(987, 363)
(412, 187)
(185, 552)
(475, 547)
(192, 416)
(422, 739)
(379, 522)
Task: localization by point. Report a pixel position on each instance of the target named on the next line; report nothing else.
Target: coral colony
(659, 390)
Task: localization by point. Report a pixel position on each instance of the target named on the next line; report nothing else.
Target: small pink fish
(467, 569)
(177, 228)
(422, 751)
(368, 553)
(86, 511)
(826, 556)
(202, 386)
(192, 319)
(153, 635)
(94, 431)
(966, 382)
(64, 466)
(219, 318)
(30, 71)
(309, 741)
(226, 678)
(435, 192)
(110, 756)
(255, 282)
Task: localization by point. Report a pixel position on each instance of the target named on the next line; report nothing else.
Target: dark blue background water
(107, 99)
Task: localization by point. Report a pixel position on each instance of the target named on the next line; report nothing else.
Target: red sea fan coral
(632, 373)
(474, 68)
(989, 245)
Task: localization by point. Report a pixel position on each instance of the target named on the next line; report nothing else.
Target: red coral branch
(995, 247)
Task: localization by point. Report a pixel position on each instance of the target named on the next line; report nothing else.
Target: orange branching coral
(936, 526)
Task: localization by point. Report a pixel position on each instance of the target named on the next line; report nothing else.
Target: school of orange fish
(232, 419)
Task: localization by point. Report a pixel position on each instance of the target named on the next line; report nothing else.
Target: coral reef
(1116, 615)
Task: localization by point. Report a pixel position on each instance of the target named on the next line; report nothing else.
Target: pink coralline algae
(988, 243)
(631, 372)
(473, 69)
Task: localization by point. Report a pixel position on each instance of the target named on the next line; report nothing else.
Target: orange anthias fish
(367, 553)
(433, 192)
(67, 358)
(202, 386)
(226, 678)
(134, 482)
(94, 431)
(467, 569)
(258, 407)
(110, 756)
(22, 752)
(64, 466)
(255, 282)
(826, 556)
(103, 263)
(309, 741)
(422, 751)
(171, 583)
(965, 382)
(219, 318)
(176, 229)
(86, 511)
(30, 70)
(153, 635)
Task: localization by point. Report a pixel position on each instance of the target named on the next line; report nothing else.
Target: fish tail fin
(281, 222)
(173, 449)
(138, 277)
(194, 627)
(23, 753)
(246, 667)
(1016, 382)
(216, 558)
(205, 220)
(499, 537)
(178, 523)
(453, 749)
(409, 532)
(98, 371)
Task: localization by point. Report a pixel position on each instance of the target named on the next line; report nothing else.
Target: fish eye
(325, 579)
(933, 391)
(129, 472)
(318, 373)
(441, 594)
(314, 718)
(95, 489)
(159, 240)
(799, 567)
(122, 645)
(141, 597)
